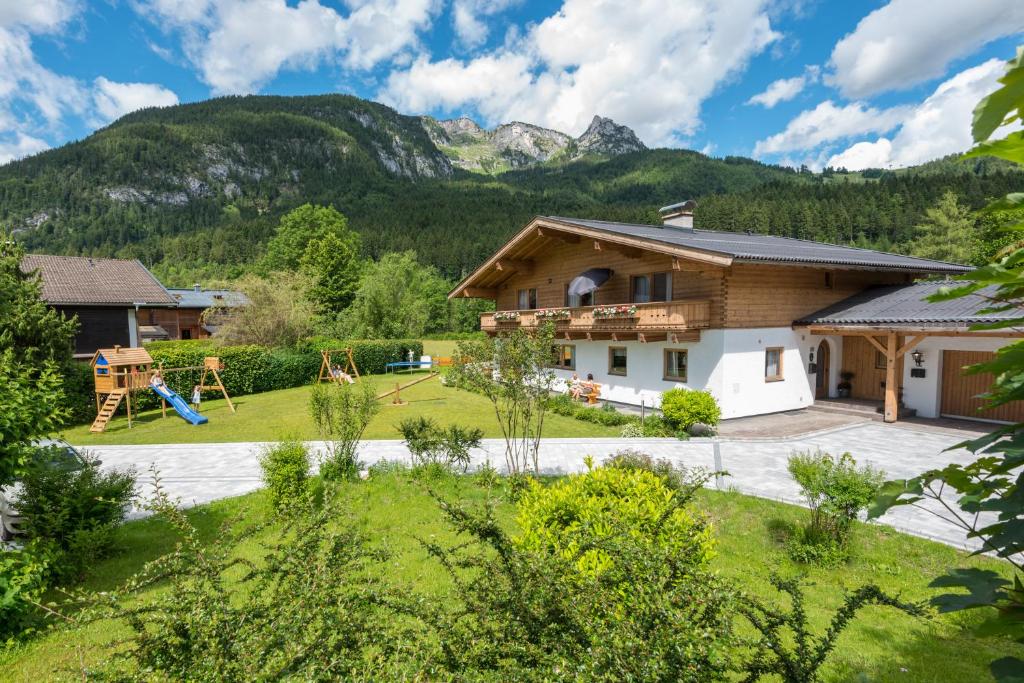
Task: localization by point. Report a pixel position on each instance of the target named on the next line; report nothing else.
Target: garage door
(959, 390)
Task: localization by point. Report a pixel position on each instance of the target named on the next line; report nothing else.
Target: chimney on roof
(678, 216)
(196, 288)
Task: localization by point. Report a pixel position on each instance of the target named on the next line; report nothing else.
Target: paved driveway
(199, 473)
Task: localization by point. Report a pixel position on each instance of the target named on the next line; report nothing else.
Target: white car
(53, 453)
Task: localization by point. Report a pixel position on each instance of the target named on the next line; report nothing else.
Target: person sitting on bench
(575, 387)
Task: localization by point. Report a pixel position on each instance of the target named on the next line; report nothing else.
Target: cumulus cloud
(907, 42)
(113, 100)
(239, 45)
(939, 126)
(37, 15)
(784, 89)
(829, 122)
(648, 63)
(468, 18)
(19, 145)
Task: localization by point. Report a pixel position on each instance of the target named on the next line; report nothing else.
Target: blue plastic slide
(179, 405)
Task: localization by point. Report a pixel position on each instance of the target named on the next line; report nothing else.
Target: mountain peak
(604, 136)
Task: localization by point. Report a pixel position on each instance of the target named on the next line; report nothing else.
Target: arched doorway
(822, 376)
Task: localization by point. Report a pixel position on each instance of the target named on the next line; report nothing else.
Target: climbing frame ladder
(108, 409)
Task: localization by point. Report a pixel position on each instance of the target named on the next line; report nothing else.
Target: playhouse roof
(123, 356)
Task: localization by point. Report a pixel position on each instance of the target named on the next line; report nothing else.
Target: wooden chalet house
(765, 323)
(196, 315)
(105, 294)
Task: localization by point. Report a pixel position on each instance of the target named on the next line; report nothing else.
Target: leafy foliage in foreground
(307, 610)
(990, 502)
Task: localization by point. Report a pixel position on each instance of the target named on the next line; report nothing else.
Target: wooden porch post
(891, 403)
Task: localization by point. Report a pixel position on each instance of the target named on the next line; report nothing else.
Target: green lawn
(274, 414)
(882, 645)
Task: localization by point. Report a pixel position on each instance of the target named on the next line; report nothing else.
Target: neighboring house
(764, 323)
(187, 319)
(103, 293)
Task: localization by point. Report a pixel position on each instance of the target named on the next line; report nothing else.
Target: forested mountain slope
(202, 186)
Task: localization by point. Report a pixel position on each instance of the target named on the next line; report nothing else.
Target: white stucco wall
(728, 363)
(924, 393)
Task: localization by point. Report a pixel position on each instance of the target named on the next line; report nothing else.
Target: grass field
(881, 645)
(275, 414)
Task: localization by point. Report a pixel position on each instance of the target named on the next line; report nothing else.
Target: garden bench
(593, 394)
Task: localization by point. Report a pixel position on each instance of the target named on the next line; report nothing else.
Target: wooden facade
(960, 391)
(180, 323)
(545, 260)
(868, 366)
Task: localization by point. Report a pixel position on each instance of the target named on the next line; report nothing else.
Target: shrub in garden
(684, 407)
(594, 589)
(75, 513)
(655, 426)
(341, 413)
(309, 610)
(836, 491)
(633, 430)
(682, 480)
(572, 517)
(22, 583)
(429, 443)
(285, 468)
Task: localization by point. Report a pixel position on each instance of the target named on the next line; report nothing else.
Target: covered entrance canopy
(894, 320)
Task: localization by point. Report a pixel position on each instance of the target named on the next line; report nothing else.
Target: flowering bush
(623, 311)
(506, 316)
(553, 314)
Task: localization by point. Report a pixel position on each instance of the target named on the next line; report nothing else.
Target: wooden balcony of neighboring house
(658, 321)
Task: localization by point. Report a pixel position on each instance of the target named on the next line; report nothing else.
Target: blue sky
(810, 82)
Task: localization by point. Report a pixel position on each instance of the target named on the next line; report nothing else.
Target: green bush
(835, 490)
(585, 509)
(341, 413)
(655, 426)
(562, 404)
(609, 565)
(431, 444)
(371, 355)
(76, 512)
(683, 407)
(79, 396)
(285, 468)
(680, 479)
(22, 583)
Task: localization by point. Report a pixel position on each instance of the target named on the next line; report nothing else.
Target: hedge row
(247, 369)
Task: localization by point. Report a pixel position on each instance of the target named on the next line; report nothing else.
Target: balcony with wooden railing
(626, 321)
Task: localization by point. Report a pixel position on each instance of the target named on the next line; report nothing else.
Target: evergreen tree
(947, 233)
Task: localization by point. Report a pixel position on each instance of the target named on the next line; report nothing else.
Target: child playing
(197, 397)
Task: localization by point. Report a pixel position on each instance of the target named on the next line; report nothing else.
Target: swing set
(327, 373)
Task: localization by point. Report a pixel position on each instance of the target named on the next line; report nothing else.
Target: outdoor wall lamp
(918, 358)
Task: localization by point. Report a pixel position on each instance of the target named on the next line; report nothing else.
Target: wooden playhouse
(117, 372)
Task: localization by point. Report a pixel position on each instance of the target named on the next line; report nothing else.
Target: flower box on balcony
(555, 314)
(506, 316)
(626, 311)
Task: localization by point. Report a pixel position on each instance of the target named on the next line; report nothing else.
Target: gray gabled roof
(905, 305)
(208, 298)
(755, 248)
(89, 281)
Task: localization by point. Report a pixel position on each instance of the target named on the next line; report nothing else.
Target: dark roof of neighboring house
(768, 248)
(81, 280)
(207, 298)
(905, 305)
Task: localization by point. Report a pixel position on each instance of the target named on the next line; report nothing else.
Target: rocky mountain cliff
(519, 145)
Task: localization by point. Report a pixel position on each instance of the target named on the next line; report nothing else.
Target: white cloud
(113, 100)
(19, 145)
(784, 89)
(646, 63)
(239, 45)
(939, 126)
(907, 42)
(37, 15)
(468, 18)
(827, 123)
